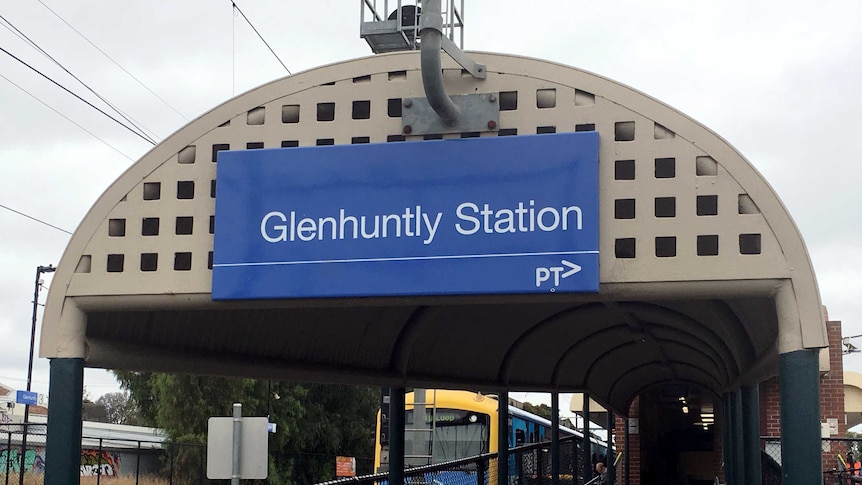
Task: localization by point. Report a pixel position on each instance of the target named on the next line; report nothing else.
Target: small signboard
(254, 448)
(345, 466)
(27, 397)
(445, 217)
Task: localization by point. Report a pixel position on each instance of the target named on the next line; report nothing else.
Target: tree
(119, 408)
(315, 422)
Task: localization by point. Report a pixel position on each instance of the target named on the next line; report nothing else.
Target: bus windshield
(457, 434)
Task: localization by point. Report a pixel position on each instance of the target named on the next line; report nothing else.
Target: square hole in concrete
(290, 113)
(665, 168)
(361, 110)
(665, 247)
(624, 248)
(706, 167)
(624, 170)
(187, 155)
(182, 261)
(184, 225)
(150, 226)
(185, 189)
(707, 245)
(325, 111)
(665, 206)
(749, 244)
(546, 98)
(393, 107)
(149, 261)
(152, 190)
(624, 131)
(707, 205)
(116, 227)
(508, 100)
(116, 263)
(624, 209)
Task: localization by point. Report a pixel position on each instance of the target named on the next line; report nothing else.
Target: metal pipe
(431, 33)
(237, 443)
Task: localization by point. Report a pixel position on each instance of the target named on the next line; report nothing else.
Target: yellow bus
(463, 424)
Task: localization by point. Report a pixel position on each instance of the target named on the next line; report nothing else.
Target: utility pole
(40, 270)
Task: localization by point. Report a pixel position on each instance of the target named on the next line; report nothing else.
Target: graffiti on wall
(91, 463)
(34, 461)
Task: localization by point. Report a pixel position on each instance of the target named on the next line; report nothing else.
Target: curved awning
(704, 278)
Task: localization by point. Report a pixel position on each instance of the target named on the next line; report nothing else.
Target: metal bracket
(479, 112)
(476, 70)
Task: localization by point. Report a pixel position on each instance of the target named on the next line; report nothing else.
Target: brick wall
(634, 448)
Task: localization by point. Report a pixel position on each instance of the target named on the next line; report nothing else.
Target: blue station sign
(26, 397)
(447, 217)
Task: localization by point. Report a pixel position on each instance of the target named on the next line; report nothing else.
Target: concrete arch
(725, 274)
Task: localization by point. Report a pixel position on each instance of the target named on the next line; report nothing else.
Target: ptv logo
(544, 275)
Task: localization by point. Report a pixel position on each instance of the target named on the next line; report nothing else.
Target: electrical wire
(115, 120)
(40, 221)
(112, 60)
(36, 46)
(42, 51)
(70, 120)
(258, 34)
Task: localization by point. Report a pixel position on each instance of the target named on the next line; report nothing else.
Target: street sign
(27, 397)
(254, 449)
(464, 216)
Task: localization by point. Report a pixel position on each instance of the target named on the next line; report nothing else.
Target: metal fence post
(8, 454)
(138, 466)
(171, 459)
(99, 464)
(480, 471)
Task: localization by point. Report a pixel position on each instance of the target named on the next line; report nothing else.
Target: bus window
(519, 437)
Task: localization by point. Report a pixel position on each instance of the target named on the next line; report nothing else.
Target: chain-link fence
(838, 456)
(117, 461)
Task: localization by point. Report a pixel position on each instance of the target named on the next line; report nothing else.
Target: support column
(586, 452)
(503, 438)
(737, 439)
(63, 446)
(727, 439)
(555, 438)
(799, 392)
(396, 435)
(612, 473)
(751, 434)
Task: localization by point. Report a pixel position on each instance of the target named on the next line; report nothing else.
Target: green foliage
(542, 410)
(316, 422)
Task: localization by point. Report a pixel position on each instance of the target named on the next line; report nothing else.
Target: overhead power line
(64, 88)
(42, 51)
(258, 34)
(70, 120)
(112, 60)
(40, 221)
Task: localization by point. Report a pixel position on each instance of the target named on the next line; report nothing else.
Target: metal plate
(479, 112)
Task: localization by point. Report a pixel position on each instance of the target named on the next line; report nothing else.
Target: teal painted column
(63, 446)
(738, 434)
(751, 434)
(396, 435)
(799, 390)
(503, 438)
(727, 439)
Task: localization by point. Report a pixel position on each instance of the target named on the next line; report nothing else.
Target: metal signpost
(446, 217)
(237, 447)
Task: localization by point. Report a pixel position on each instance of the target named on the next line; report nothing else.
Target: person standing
(602, 470)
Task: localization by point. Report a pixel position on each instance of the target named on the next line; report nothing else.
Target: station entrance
(703, 281)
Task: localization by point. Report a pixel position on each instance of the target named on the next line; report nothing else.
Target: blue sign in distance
(448, 217)
(27, 397)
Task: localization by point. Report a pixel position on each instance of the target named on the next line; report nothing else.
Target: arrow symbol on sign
(573, 268)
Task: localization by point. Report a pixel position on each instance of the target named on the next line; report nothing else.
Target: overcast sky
(779, 80)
